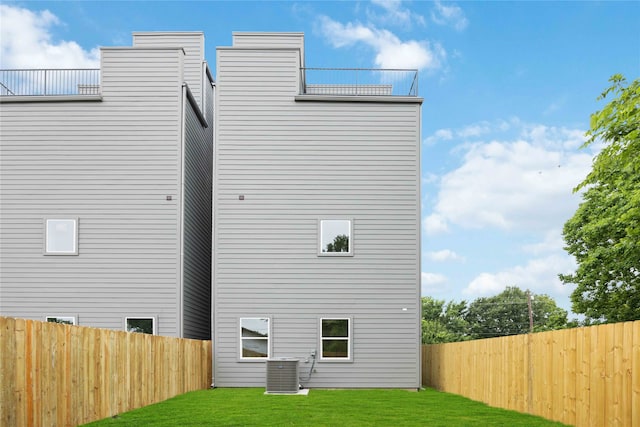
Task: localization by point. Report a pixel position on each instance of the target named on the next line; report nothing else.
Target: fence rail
(54, 374)
(359, 82)
(50, 82)
(582, 376)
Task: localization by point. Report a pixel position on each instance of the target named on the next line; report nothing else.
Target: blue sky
(508, 89)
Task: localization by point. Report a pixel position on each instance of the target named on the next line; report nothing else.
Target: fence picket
(55, 374)
(635, 372)
(583, 376)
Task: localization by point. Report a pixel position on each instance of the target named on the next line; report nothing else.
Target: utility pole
(530, 311)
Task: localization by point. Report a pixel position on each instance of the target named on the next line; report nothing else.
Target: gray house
(105, 190)
(317, 219)
(106, 207)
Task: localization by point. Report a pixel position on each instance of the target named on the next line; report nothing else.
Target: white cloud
(439, 135)
(26, 42)
(390, 51)
(449, 15)
(444, 255)
(540, 275)
(395, 13)
(523, 184)
(484, 127)
(429, 178)
(431, 283)
(433, 278)
(474, 130)
(549, 137)
(434, 224)
(486, 284)
(552, 242)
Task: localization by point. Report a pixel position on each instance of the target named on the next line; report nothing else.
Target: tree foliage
(508, 314)
(340, 244)
(504, 314)
(604, 233)
(442, 323)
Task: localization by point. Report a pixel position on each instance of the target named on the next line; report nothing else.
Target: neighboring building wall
(198, 169)
(193, 45)
(293, 163)
(111, 164)
(270, 41)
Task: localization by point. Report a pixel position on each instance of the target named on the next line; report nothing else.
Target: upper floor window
(254, 338)
(61, 236)
(335, 237)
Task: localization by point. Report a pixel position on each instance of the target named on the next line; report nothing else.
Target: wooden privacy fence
(583, 376)
(61, 375)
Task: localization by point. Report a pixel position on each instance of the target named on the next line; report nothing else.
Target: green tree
(443, 323)
(454, 319)
(508, 314)
(432, 308)
(340, 244)
(604, 233)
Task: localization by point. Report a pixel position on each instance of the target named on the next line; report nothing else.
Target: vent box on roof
(282, 375)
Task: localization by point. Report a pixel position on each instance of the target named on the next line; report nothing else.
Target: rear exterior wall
(111, 164)
(295, 163)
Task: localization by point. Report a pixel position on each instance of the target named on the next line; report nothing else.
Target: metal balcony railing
(359, 82)
(50, 82)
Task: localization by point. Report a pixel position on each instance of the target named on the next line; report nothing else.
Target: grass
(251, 407)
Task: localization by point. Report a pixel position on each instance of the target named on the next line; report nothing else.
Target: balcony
(58, 82)
(359, 82)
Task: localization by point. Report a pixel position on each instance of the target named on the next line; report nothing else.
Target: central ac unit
(282, 375)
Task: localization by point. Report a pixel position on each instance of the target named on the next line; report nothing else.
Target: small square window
(65, 320)
(61, 237)
(336, 339)
(335, 237)
(143, 325)
(254, 338)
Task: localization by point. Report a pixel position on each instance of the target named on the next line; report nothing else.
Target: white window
(143, 325)
(335, 339)
(335, 237)
(66, 320)
(61, 236)
(254, 338)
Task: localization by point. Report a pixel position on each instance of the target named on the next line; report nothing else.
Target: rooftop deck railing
(315, 81)
(50, 82)
(359, 82)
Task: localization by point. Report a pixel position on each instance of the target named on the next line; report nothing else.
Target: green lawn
(250, 407)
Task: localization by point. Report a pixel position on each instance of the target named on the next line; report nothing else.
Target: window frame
(241, 339)
(349, 340)
(46, 237)
(73, 319)
(319, 245)
(154, 322)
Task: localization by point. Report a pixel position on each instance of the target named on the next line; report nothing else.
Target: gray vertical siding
(193, 45)
(111, 164)
(294, 163)
(198, 159)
